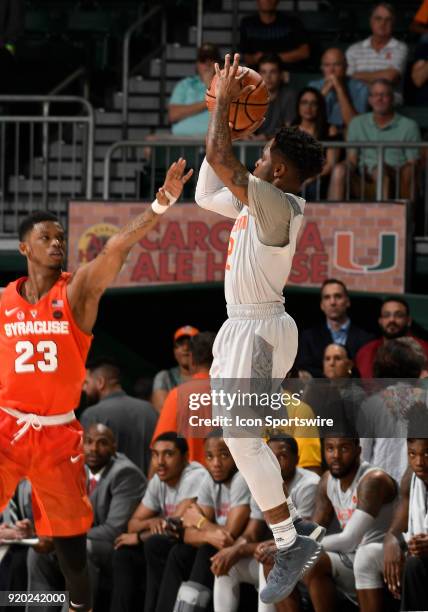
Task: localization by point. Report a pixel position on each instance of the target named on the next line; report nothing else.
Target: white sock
(294, 515)
(284, 534)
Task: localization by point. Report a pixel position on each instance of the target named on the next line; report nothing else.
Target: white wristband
(159, 209)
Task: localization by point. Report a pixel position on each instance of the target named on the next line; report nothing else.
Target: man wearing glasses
(380, 56)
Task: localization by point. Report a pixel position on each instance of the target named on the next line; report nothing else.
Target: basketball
(246, 110)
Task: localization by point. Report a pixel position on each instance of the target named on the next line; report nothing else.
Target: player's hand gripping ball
(246, 108)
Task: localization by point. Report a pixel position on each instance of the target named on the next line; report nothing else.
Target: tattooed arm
(91, 280)
(220, 154)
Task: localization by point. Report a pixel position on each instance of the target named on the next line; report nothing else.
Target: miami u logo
(344, 253)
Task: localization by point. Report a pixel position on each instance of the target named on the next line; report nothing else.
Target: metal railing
(133, 153)
(34, 175)
(78, 74)
(199, 22)
(126, 73)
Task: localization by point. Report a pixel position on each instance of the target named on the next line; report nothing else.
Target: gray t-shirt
(224, 496)
(382, 427)
(302, 490)
(164, 499)
(272, 209)
(166, 380)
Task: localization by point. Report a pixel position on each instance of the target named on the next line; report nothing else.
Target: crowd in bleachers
(360, 92)
(174, 520)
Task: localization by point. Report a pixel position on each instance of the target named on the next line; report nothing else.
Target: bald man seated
(345, 97)
(115, 487)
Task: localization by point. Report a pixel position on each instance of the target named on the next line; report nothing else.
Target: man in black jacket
(132, 420)
(337, 329)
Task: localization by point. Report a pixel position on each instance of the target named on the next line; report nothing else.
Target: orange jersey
(42, 351)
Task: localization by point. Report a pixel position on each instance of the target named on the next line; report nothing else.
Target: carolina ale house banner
(364, 244)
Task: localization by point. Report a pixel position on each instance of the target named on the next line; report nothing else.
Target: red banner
(362, 244)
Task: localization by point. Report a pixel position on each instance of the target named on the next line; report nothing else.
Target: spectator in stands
(165, 380)
(11, 28)
(420, 72)
(380, 56)
(114, 486)
(307, 438)
(336, 362)
(301, 484)
(311, 117)
(237, 563)
(143, 388)
(213, 523)
(187, 110)
(345, 97)
(132, 421)
(420, 20)
(383, 418)
(406, 543)
(171, 490)
(394, 322)
(337, 328)
(336, 397)
(362, 498)
(175, 409)
(381, 125)
(16, 523)
(282, 98)
(271, 31)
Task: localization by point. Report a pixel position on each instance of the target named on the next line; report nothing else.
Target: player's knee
(367, 563)
(363, 561)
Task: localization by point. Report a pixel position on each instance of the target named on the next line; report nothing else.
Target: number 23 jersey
(42, 351)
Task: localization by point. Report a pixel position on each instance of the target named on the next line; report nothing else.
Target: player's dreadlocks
(301, 149)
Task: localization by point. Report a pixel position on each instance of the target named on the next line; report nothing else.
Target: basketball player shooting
(259, 336)
(46, 322)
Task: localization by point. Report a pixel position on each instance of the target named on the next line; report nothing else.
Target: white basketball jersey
(345, 503)
(256, 273)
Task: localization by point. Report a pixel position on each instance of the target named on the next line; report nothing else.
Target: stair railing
(137, 25)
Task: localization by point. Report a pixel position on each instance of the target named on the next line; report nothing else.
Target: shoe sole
(318, 533)
(306, 567)
(311, 561)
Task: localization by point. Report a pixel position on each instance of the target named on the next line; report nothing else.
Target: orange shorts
(52, 459)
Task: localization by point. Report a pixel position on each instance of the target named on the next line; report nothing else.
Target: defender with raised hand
(259, 340)
(46, 321)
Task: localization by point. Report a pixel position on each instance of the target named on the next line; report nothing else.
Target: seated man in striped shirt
(380, 56)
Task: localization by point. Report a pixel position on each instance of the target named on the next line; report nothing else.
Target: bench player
(46, 322)
(259, 339)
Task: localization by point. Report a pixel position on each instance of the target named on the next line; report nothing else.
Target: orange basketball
(247, 109)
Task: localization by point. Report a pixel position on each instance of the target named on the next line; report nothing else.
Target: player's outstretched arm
(92, 279)
(220, 154)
